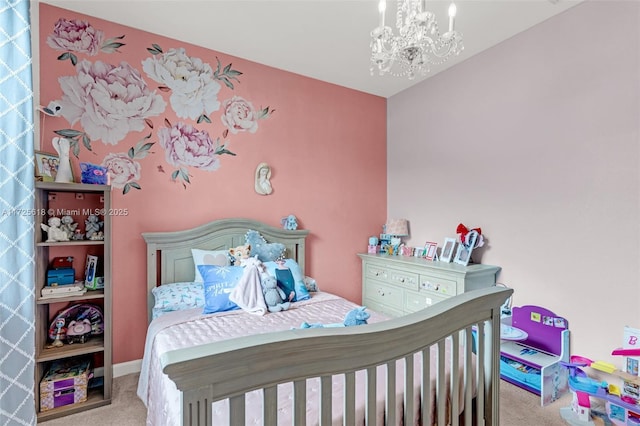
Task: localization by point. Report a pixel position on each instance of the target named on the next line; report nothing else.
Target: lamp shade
(397, 227)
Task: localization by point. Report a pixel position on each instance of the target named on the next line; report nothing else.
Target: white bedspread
(188, 328)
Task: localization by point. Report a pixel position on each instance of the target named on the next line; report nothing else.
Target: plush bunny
(290, 222)
(355, 316)
(273, 295)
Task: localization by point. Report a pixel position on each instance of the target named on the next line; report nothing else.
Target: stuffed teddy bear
(273, 295)
(355, 316)
(266, 252)
(290, 222)
(54, 230)
(239, 253)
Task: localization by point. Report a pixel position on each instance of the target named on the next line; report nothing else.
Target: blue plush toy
(266, 252)
(290, 222)
(356, 316)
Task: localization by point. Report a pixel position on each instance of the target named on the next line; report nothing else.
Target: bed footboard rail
(468, 324)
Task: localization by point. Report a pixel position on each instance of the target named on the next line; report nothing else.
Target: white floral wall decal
(76, 35)
(108, 102)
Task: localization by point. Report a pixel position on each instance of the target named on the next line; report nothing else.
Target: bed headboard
(169, 256)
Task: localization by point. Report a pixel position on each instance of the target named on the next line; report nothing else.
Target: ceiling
(323, 39)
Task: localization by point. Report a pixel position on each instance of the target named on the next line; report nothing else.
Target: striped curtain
(16, 217)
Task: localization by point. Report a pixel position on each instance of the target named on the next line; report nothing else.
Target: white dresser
(398, 285)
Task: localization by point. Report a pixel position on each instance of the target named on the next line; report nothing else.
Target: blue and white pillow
(291, 269)
(219, 281)
(176, 297)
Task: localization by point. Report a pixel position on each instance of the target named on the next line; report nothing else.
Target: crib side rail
(211, 372)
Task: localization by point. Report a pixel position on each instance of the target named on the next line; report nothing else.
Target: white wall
(536, 141)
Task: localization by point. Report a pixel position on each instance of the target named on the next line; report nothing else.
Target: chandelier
(418, 43)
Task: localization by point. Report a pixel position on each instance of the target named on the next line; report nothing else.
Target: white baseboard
(129, 367)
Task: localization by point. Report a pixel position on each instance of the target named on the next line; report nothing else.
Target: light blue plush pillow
(266, 252)
(219, 281)
(283, 281)
(176, 297)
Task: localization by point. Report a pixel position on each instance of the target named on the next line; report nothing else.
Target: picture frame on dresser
(430, 249)
(463, 254)
(447, 250)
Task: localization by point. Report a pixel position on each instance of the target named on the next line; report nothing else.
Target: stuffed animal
(54, 230)
(273, 295)
(355, 316)
(92, 225)
(239, 253)
(290, 222)
(68, 225)
(266, 252)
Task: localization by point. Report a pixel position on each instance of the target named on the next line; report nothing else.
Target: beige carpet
(517, 408)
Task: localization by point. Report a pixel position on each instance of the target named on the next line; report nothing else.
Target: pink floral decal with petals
(239, 115)
(75, 35)
(122, 170)
(184, 145)
(109, 101)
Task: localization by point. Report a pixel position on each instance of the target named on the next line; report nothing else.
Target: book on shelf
(66, 290)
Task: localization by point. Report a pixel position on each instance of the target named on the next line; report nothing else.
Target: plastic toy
(620, 408)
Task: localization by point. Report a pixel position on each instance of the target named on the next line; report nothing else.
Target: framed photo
(46, 166)
(447, 249)
(430, 249)
(463, 255)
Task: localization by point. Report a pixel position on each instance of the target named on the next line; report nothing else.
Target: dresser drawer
(383, 294)
(403, 278)
(438, 285)
(375, 271)
(417, 300)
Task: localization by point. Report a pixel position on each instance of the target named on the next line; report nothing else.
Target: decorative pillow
(266, 252)
(284, 278)
(176, 297)
(209, 257)
(218, 283)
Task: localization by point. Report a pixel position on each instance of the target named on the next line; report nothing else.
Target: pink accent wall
(536, 141)
(325, 143)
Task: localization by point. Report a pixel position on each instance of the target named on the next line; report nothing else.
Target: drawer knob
(380, 292)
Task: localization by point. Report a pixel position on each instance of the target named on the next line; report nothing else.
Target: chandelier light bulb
(382, 6)
(452, 15)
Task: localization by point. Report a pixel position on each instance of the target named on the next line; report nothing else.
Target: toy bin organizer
(65, 383)
(534, 363)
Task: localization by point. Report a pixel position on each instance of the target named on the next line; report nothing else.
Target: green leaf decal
(157, 47)
(68, 133)
(64, 56)
(126, 189)
(175, 174)
(75, 147)
(134, 185)
(131, 153)
(204, 118)
(74, 59)
(86, 141)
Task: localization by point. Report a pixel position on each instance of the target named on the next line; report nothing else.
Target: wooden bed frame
(211, 372)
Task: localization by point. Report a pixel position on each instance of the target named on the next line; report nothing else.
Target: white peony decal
(194, 91)
(109, 101)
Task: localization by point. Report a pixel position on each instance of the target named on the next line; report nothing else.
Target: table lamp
(396, 228)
